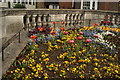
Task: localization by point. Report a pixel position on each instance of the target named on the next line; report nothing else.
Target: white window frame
(91, 4)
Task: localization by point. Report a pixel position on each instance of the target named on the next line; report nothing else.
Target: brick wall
(113, 6)
(40, 5)
(65, 5)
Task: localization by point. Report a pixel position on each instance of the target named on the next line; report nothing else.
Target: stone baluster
(39, 20)
(80, 18)
(25, 21)
(77, 19)
(70, 20)
(48, 19)
(45, 20)
(66, 19)
(73, 22)
(33, 21)
(28, 21)
(36, 20)
(108, 18)
(113, 19)
(118, 20)
(74, 19)
(42, 19)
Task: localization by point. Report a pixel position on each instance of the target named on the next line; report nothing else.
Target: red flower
(71, 41)
(106, 22)
(54, 22)
(40, 28)
(79, 38)
(88, 40)
(61, 29)
(62, 23)
(95, 24)
(33, 36)
(51, 29)
(32, 40)
(53, 32)
(65, 32)
(96, 36)
(81, 33)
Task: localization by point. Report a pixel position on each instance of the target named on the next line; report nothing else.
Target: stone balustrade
(14, 19)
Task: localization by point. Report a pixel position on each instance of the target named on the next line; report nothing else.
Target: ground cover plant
(76, 53)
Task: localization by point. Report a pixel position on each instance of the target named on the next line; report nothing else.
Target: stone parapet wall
(15, 19)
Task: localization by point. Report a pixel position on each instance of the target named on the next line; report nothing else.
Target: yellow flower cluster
(108, 28)
(51, 47)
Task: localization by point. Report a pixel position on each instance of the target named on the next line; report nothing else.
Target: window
(86, 5)
(89, 4)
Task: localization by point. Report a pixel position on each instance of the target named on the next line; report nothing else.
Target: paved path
(13, 50)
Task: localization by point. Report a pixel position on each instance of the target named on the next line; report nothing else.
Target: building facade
(29, 4)
(97, 5)
(81, 4)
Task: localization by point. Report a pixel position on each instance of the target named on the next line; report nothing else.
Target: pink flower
(65, 32)
(81, 33)
(71, 41)
(79, 38)
(96, 36)
(88, 40)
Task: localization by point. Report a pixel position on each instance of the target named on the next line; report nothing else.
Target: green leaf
(20, 63)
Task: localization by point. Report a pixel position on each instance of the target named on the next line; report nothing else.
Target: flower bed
(84, 52)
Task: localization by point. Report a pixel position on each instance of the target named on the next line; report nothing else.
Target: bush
(19, 6)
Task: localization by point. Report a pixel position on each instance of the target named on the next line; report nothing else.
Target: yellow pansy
(95, 69)
(46, 59)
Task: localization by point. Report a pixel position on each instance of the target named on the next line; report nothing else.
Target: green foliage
(19, 6)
